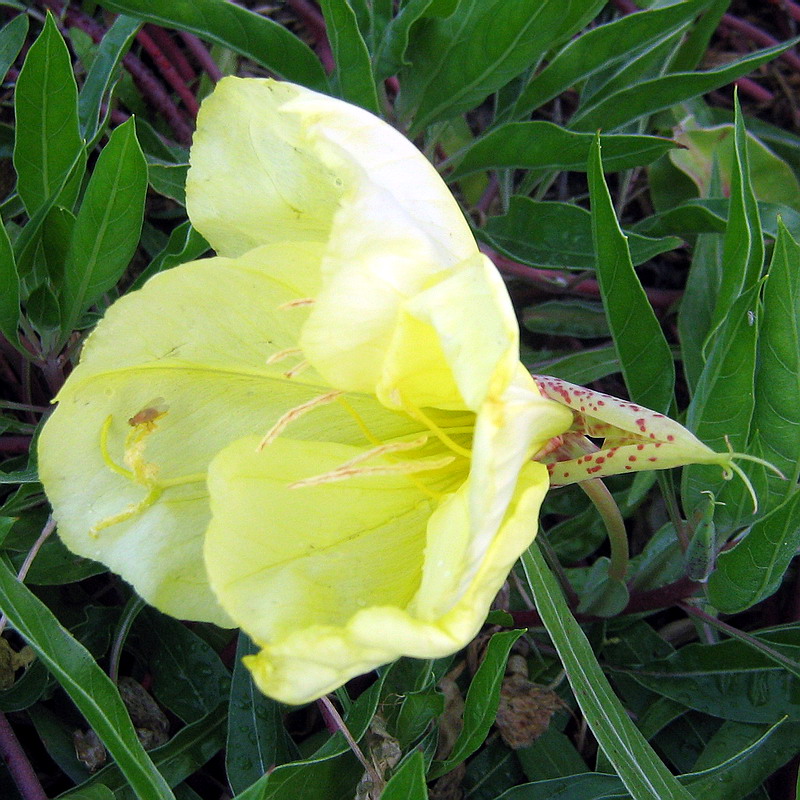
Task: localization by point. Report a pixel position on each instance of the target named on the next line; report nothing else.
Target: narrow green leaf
(721, 410)
(108, 225)
(643, 774)
(391, 48)
(481, 46)
(753, 570)
(541, 145)
(257, 738)
(743, 246)
(47, 135)
(189, 679)
(697, 305)
(168, 179)
(9, 290)
(12, 37)
(353, 75)
(580, 318)
(776, 416)
(90, 689)
(256, 37)
(583, 367)
(176, 760)
(408, 783)
(103, 74)
(184, 244)
(601, 47)
(730, 680)
(643, 351)
(480, 707)
(646, 97)
(558, 235)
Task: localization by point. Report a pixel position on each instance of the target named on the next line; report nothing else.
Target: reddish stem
(755, 34)
(553, 280)
(315, 22)
(201, 55)
(170, 73)
(754, 91)
(171, 50)
(14, 445)
(18, 765)
(650, 600)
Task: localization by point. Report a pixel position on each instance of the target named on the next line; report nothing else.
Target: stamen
(299, 303)
(437, 431)
(400, 468)
(281, 354)
(294, 414)
(296, 370)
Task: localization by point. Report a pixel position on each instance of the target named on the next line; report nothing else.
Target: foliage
(668, 274)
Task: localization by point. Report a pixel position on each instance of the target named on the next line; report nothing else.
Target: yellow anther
(299, 303)
(400, 468)
(281, 354)
(383, 450)
(296, 370)
(294, 414)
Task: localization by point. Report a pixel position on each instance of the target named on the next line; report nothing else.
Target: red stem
(754, 91)
(18, 765)
(201, 55)
(556, 281)
(755, 34)
(315, 22)
(171, 50)
(14, 445)
(170, 73)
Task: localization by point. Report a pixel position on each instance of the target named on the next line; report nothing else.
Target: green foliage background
(506, 98)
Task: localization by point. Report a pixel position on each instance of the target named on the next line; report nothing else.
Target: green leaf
(90, 689)
(47, 136)
(176, 760)
(731, 680)
(721, 410)
(257, 738)
(103, 75)
(108, 225)
(754, 569)
(646, 97)
(168, 179)
(256, 37)
(583, 367)
(481, 46)
(743, 246)
(391, 48)
(574, 787)
(12, 37)
(643, 774)
(480, 707)
(643, 351)
(544, 146)
(188, 677)
(558, 235)
(353, 76)
(776, 416)
(185, 244)
(697, 305)
(408, 783)
(579, 318)
(600, 47)
(9, 290)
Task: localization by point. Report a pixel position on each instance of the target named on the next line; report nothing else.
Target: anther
(294, 414)
(299, 303)
(281, 354)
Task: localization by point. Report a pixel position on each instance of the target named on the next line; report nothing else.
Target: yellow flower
(323, 435)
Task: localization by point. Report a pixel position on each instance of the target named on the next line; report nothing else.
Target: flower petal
(173, 346)
(326, 583)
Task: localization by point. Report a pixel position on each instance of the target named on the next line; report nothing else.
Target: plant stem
(18, 765)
